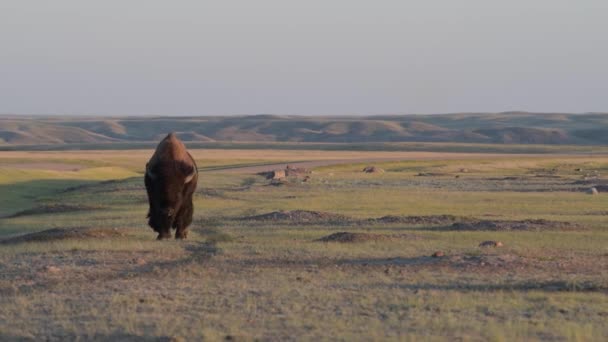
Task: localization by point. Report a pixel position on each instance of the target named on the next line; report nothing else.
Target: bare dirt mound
(500, 225)
(300, 216)
(288, 171)
(53, 209)
(373, 169)
(351, 237)
(64, 234)
(415, 220)
(363, 237)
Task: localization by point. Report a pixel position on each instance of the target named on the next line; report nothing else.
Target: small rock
(592, 191)
(438, 254)
(53, 269)
(464, 170)
(139, 261)
(491, 243)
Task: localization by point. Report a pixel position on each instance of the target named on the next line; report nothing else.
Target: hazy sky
(302, 57)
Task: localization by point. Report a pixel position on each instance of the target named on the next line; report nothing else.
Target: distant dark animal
(171, 178)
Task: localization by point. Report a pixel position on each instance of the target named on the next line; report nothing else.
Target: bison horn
(190, 176)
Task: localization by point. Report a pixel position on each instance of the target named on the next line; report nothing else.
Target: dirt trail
(369, 160)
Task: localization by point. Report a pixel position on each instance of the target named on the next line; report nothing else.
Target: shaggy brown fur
(171, 178)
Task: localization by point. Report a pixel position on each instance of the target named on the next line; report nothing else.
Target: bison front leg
(183, 220)
(163, 235)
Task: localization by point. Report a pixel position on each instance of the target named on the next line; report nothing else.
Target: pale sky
(134, 57)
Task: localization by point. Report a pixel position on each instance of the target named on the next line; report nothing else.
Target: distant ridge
(498, 128)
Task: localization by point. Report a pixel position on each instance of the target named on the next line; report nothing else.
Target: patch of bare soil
(64, 234)
(373, 169)
(505, 225)
(300, 216)
(320, 217)
(419, 220)
(54, 209)
(363, 237)
(432, 174)
(288, 171)
(471, 263)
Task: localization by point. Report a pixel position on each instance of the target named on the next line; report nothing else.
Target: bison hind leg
(181, 234)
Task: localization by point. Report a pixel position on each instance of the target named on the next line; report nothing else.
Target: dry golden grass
(240, 279)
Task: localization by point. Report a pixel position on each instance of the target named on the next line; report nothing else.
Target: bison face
(166, 193)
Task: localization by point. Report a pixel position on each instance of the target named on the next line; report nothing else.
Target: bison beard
(171, 178)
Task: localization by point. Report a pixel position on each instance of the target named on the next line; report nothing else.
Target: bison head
(170, 193)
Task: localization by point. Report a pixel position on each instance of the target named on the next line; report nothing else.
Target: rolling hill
(498, 128)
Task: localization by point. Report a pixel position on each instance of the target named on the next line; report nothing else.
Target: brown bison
(171, 177)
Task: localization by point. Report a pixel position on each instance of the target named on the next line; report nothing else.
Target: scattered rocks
(278, 174)
(491, 243)
(289, 171)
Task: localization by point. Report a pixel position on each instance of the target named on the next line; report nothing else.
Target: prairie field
(327, 253)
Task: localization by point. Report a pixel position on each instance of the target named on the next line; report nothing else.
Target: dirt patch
(64, 234)
(363, 237)
(525, 225)
(491, 243)
(299, 216)
(472, 263)
(432, 174)
(321, 217)
(373, 169)
(288, 171)
(54, 209)
(293, 171)
(420, 220)
(351, 237)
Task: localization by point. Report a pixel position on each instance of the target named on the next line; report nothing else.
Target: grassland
(243, 278)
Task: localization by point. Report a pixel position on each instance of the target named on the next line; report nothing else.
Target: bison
(171, 177)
